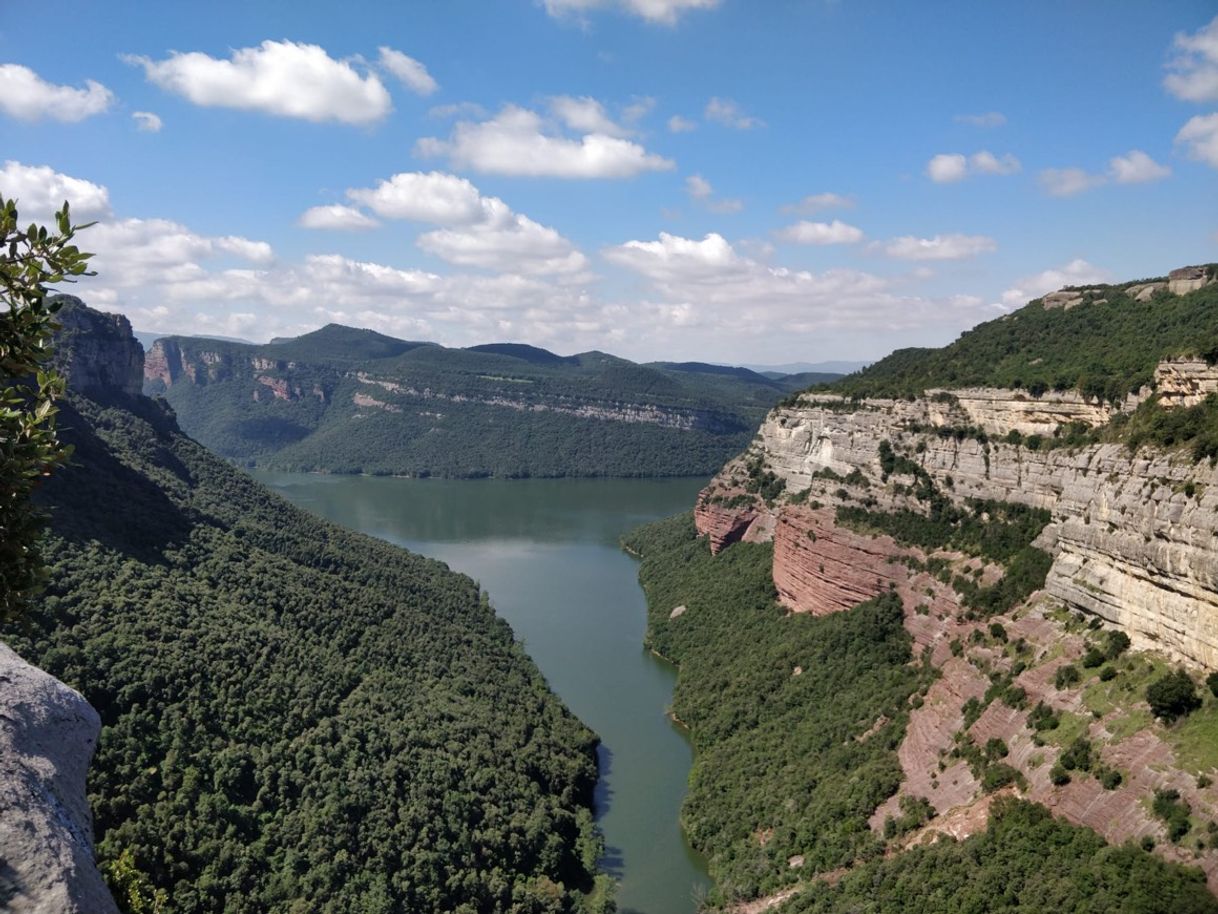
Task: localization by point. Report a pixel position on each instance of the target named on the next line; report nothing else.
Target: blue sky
(714, 179)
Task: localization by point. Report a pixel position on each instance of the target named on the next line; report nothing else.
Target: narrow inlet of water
(547, 552)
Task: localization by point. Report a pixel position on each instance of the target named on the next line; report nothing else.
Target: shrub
(1066, 676)
(1172, 696)
(1108, 673)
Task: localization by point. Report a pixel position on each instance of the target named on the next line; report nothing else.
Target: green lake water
(547, 552)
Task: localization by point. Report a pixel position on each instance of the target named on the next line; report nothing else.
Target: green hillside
(297, 718)
(354, 401)
(1105, 347)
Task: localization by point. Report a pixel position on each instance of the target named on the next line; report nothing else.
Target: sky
(722, 180)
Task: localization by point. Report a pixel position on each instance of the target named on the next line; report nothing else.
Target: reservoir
(547, 552)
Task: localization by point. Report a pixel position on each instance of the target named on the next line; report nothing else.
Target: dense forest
(1105, 348)
(1026, 862)
(785, 763)
(795, 721)
(354, 401)
(296, 718)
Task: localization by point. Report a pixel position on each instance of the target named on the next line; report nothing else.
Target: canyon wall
(1134, 536)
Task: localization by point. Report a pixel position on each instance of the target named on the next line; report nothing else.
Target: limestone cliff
(96, 352)
(48, 734)
(1134, 536)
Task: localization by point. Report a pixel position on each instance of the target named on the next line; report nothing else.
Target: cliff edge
(48, 733)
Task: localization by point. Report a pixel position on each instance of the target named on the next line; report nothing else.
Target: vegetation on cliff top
(1103, 350)
(297, 718)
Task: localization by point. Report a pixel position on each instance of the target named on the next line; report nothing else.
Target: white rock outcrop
(48, 733)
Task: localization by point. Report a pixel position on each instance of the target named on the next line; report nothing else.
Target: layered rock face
(1134, 537)
(48, 734)
(96, 352)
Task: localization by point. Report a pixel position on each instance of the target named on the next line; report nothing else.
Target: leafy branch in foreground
(30, 260)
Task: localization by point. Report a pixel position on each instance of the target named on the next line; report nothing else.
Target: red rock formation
(822, 568)
(722, 524)
(162, 362)
(279, 387)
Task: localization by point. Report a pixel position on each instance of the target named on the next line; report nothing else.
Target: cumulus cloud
(949, 167)
(814, 203)
(678, 124)
(40, 191)
(411, 73)
(988, 119)
(1193, 68)
(664, 12)
(698, 187)
(475, 231)
(585, 115)
(432, 196)
(1067, 182)
(706, 291)
(940, 247)
(1077, 272)
(726, 112)
(28, 97)
(1136, 167)
(701, 191)
(147, 122)
(1200, 138)
(283, 78)
(336, 217)
(520, 142)
(835, 232)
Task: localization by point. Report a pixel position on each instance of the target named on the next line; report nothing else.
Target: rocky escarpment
(48, 734)
(1134, 537)
(96, 352)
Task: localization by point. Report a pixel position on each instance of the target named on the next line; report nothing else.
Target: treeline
(297, 718)
(794, 719)
(1103, 350)
(500, 410)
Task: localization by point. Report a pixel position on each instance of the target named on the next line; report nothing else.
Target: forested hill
(1103, 340)
(354, 401)
(295, 718)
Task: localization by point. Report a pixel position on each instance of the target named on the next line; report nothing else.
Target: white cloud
(432, 196)
(949, 167)
(28, 97)
(835, 232)
(1136, 167)
(585, 115)
(678, 124)
(278, 77)
(40, 191)
(412, 74)
(336, 217)
(1200, 137)
(1066, 182)
(639, 108)
(665, 12)
(147, 122)
(940, 247)
(132, 251)
(476, 231)
(814, 203)
(1194, 66)
(1077, 272)
(698, 187)
(518, 142)
(726, 112)
(988, 119)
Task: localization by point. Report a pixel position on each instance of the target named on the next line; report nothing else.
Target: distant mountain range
(348, 400)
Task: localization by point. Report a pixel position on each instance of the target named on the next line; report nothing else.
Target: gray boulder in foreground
(48, 733)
